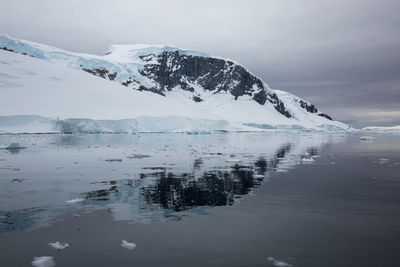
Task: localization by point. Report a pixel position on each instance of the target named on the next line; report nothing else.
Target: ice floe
(75, 200)
(128, 245)
(279, 263)
(59, 245)
(383, 161)
(232, 160)
(311, 159)
(43, 261)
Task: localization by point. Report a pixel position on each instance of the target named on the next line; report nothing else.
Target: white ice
(279, 263)
(128, 245)
(75, 200)
(59, 245)
(33, 101)
(43, 261)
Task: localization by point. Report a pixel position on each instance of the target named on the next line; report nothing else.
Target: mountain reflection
(217, 188)
(155, 177)
(183, 191)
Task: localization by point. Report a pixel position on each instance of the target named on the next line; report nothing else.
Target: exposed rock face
(197, 74)
(312, 109)
(102, 72)
(325, 116)
(309, 107)
(185, 71)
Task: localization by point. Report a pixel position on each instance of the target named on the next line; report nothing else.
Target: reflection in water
(178, 173)
(183, 191)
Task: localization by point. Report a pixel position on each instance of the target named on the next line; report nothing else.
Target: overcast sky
(344, 56)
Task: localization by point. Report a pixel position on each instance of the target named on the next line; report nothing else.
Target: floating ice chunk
(127, 245)
(258, 176)
(383, 161)
(232, 160)
(307, 159)
(43, 261)
(366, 138)
(75, 200)
(279, 263)
(59, 245)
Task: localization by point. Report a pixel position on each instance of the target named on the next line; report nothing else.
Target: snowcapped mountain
(141, 88)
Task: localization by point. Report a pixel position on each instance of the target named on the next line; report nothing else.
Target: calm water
(196, 200)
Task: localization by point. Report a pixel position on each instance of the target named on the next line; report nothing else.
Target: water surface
(220, 200)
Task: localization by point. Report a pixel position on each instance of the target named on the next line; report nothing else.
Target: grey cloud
(342, 55)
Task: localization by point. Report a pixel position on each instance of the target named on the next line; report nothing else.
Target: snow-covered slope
(382, 129)
(141, 88)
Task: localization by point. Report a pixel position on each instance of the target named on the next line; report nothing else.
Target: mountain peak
(129, 53)
(184, 74)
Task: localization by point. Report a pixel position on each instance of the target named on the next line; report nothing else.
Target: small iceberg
(128, 245)
(74, 200)
(43, 261)
(279, 263)
(59, 246)
(366, 138)
(311, 159)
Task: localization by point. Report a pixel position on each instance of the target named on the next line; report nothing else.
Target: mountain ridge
(169, 71)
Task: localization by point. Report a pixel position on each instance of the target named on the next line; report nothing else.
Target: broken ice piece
(279, 263)
(43, 261)
(75, 200)
(127, 245)
(59, 245)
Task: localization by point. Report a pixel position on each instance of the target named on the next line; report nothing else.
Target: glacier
(50, 90)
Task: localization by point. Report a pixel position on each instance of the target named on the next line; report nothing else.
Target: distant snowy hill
(141, 88)
(378, 129)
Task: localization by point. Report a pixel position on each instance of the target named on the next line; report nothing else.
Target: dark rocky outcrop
(212, 74)
(7, 49)
(101, 72)
(278, 104)
(197, 98)
(325, 116)
(309, 107)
